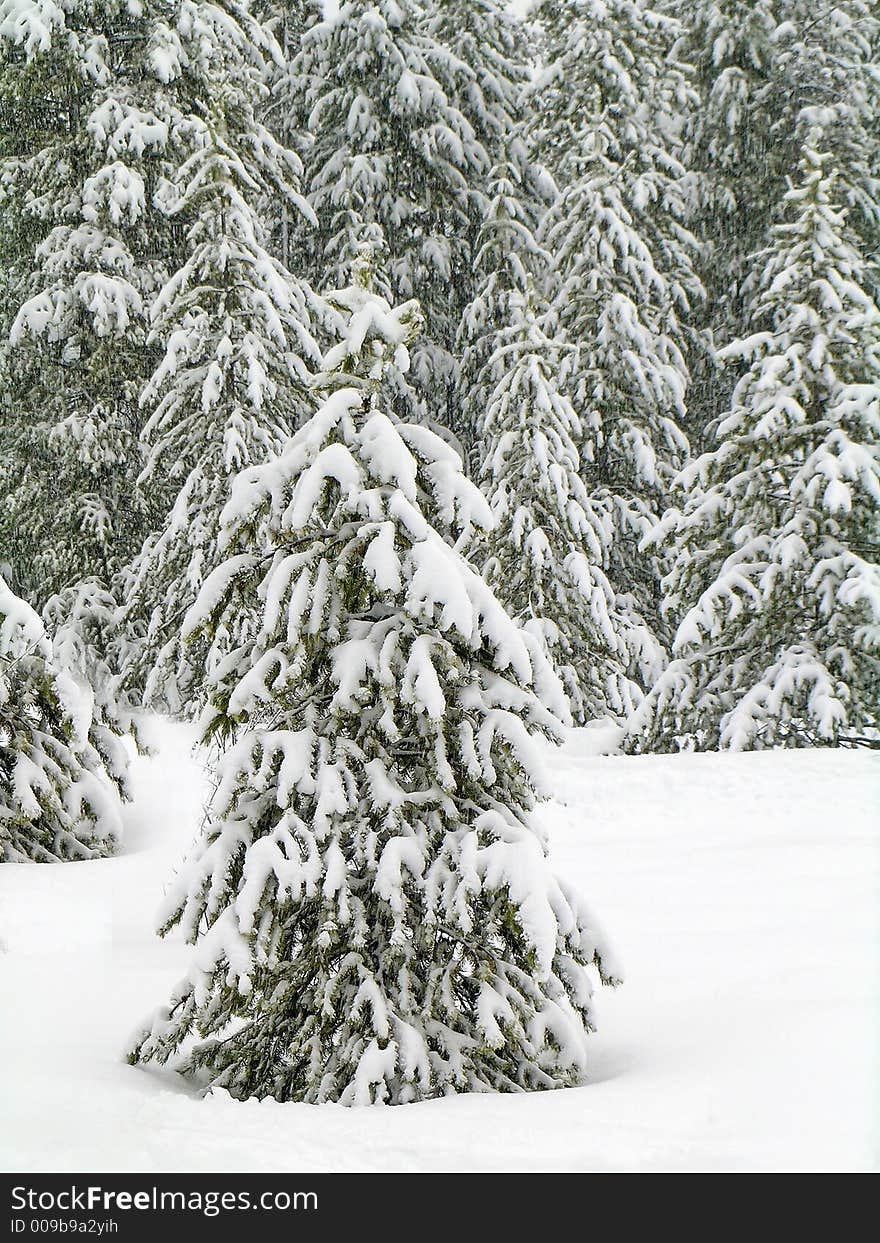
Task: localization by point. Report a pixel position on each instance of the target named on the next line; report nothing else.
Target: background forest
(389, 387)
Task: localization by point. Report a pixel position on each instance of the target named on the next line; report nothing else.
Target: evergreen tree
(375, 914)
(396, 150)
(489, 68)
(84, 134)
(285, 20)
(292, 237)
(766, 72)
(547, 551)
(830, 60)
(508, 259)
(546, 554)
(734, 159)
(234, 325)
(57, 802)
(776, 577)
(89, 644)
(603, 112)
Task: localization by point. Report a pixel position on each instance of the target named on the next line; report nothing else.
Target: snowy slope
(743, 895)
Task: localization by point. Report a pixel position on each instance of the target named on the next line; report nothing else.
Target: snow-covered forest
(450, 418)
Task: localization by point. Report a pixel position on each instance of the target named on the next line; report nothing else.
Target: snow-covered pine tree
(544, 558)
(89, 644)
(830, 63)
(374, 909)
(603, 108)
(292, 237)
(395, 149)
(489, 54)
(731, 46)
(56, 800)
(285, 20)
(507, 259)
(84, 131)
(545, 555)
(766, 72)
(776, 579)
(486, 55)
(234, 325)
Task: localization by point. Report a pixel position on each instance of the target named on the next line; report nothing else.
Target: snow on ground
(742, 893)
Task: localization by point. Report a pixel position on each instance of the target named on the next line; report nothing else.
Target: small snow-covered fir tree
(375, 913)
(776, 580)
(603, 108)
(234, 325)
(57, 801)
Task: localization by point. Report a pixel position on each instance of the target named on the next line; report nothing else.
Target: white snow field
(743, 896)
